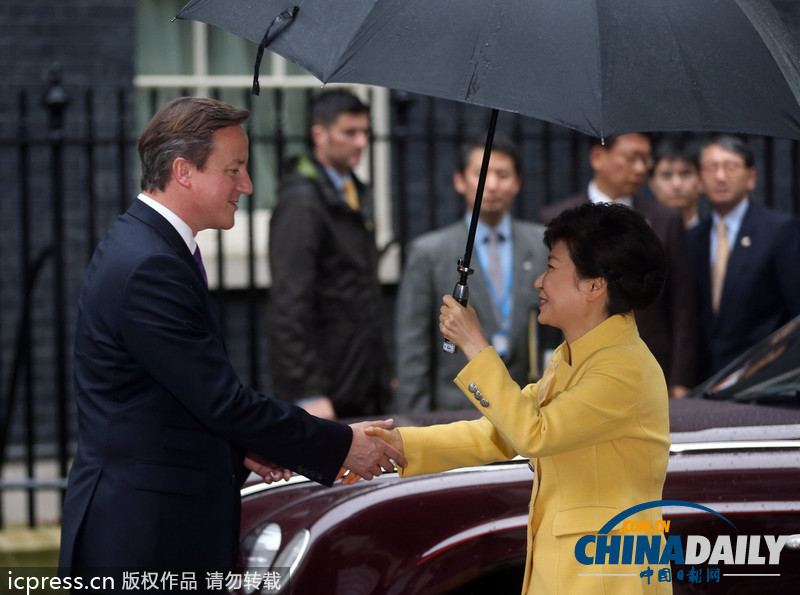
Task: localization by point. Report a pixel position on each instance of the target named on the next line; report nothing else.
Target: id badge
(500, 342)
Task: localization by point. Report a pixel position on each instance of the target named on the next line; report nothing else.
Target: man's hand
(676, 391)
(369, 456)
(268, 471)
(320, 407)
(392, 437)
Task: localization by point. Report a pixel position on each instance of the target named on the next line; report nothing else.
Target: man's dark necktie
(199, 260)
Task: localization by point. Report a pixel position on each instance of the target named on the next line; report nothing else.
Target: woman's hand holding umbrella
(460, 325)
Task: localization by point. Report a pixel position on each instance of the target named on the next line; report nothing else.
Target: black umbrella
(602, 67)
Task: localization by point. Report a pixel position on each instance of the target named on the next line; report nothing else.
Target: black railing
(55, 168)
(67, 158)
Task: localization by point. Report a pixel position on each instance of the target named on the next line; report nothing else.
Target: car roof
(685, 415)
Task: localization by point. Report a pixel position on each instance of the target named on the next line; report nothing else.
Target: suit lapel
(149, 216)
(481, 299)
(144, 213)
(703, 260)
(740, 253)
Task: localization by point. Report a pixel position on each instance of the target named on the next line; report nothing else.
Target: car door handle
(793, 543)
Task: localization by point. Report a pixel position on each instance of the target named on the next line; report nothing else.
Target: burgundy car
(734, 473)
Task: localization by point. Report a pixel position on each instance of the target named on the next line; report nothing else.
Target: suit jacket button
(484, 402)
(472, 387)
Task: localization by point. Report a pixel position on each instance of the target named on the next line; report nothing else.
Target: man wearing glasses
(746, 256)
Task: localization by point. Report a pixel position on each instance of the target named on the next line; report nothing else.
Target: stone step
(31, 547)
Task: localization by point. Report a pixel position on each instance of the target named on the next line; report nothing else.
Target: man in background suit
(674, 178)
(327, 347)
(165, 425)
(755, 257)
(668, 326)
(506, 307)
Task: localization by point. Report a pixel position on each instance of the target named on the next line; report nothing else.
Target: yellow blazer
(596, 428)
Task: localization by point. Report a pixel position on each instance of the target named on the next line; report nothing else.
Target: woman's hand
(460, 326)
(392, 437)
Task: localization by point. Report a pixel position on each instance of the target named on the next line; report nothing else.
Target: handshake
(375, 448)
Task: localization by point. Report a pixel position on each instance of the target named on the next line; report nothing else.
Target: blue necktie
(199, 260)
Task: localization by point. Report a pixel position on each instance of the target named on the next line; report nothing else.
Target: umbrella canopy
(602, 67)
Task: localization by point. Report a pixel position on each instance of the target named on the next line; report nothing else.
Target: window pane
(162, 47)
(278, 129)
(292, 68)
(231, 54)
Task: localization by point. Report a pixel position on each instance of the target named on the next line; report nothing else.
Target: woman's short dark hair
(616, 243)
(184, 127)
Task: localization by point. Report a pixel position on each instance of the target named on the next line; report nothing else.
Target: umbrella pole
(461, 290)
(476, 209)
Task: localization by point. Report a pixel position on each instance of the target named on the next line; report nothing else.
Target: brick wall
(92, 41)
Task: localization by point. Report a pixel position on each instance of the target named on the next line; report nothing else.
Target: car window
(769, 373)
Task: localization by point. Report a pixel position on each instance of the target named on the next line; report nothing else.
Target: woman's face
(563, 297)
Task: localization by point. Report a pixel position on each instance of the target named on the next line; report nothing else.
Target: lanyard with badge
(502, 308)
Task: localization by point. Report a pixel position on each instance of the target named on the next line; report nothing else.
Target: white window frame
(235, 241)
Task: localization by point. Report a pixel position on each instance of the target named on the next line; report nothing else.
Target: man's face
(217, 188)
(726, 179)
(675, 183)
(340, 145)
(619, 170)
(501, 186)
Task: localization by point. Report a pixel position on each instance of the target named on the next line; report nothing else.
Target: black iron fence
(68, 163)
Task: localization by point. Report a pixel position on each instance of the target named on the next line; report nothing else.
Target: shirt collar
(597, 196)
(180, 226)
(733, 219)
(482, 230)
(337, 178)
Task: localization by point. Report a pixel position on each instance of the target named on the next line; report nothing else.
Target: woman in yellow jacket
(595, 427)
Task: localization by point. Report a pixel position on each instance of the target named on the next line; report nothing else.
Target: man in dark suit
(746, 256)
(507, 307)
(668, 326)
(165, 425)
